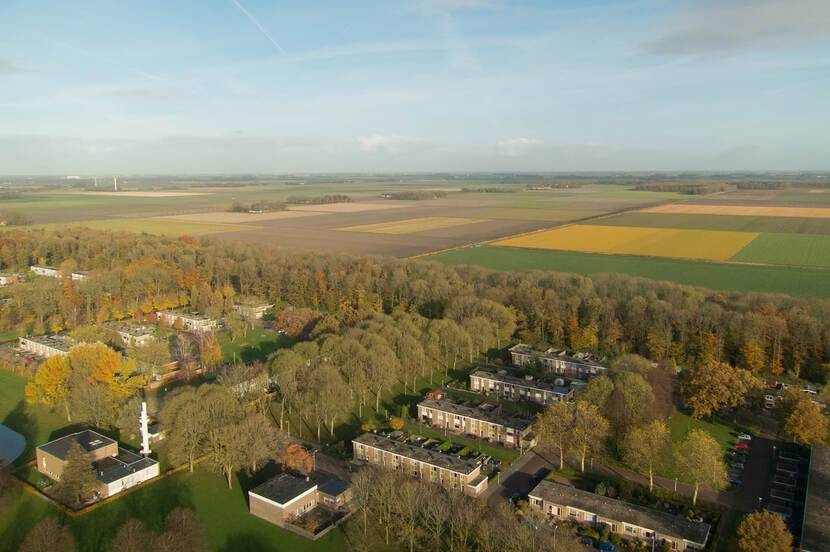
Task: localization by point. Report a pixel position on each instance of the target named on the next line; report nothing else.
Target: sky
(255, 86)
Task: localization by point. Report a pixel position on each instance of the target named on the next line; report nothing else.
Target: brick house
(482, 422)
(627, 520)
(518, 389)
(430, 465)
(117, 468)
(558, 361)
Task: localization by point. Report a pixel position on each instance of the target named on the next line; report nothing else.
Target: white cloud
(516, 147)
(378, 143)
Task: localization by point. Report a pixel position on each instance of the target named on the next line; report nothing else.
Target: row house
(45, 345)
(430, 465)
(253, 311)
(627, 520)
(578, 365)
(481, 422)
(52, 272)
(190, 321)
(132, 335)
(518, 389)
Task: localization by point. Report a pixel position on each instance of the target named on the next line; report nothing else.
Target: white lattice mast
(145, 433)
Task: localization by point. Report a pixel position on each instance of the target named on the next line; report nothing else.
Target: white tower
(115, 183)
(145, 433)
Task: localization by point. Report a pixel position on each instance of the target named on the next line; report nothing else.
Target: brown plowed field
(741, 210)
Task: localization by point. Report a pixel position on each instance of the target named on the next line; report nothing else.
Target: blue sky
(421, 85)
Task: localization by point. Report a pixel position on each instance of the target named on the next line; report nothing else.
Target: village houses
(45, 346)
(190, 321)
(518, 389)
(557, 361)
(484, 422)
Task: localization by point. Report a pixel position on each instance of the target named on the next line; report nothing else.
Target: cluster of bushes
(14, 218)
(658, 499)
(319, 200)
(260, 205)
(491, 190)
(762, 185)
(691, 188)
(415, 194)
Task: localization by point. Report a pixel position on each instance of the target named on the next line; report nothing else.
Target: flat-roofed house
(45, 345)
(282, 498)
(450, 471)
(578, 365)
(48, 271)
(518, 389)
(815, 531)
(190, 321)
(483, 423)
(8, 279)
(132, 334)
(117, 468)
(252, 310)
(627, 520)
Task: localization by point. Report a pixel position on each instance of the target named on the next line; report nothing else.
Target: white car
(744, 437)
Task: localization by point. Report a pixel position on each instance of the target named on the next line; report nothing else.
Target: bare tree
(48, 536)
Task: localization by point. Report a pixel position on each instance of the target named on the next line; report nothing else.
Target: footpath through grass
(222, 511)
(804, 282)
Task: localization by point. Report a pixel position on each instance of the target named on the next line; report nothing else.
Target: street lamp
(555, 528)
(759, 502)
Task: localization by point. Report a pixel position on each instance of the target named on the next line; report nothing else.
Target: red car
(742, 446)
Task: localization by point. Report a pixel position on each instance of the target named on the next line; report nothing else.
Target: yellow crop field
(741, 210)
(409, 226)
(632, 240)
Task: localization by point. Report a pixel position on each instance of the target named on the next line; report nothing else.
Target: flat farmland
(409, 226)
(154, 226)
(630, 240)
(787, 249)
(803, 282)
(781, 225)
(741, 210)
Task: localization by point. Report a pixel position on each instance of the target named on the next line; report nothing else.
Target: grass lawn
(35, 422)
(257, 344)
(722, 276)
(787, 249)
(681, 424)
(223, 512)
(9, 336)
(781, 225)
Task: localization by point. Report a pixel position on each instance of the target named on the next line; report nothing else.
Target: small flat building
(48, 271)
(190, 321)
(45, 345)
(518, 389)
(252, 310)
(117, 468)
(283, 498)
(627, 520)
(484, 423)
(132, 334)
(450, 471)
(815, 532)
(8, 279)
(578, 365)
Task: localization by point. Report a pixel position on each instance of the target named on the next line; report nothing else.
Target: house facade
(117, 469)
(48, 271)
(45, 345)
(8, 279)
(444, 469)
(518, 389)
(283, 498)
(190, 321)
(132, 335)
(627, 520)
(480, 422)
(558, 361)
(252, 310)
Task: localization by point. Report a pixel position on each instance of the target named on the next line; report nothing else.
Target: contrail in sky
(255, 22)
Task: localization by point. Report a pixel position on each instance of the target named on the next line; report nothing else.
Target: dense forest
(608, 313)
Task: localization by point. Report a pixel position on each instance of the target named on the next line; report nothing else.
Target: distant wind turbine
(115, 183)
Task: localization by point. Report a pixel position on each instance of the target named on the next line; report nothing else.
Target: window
(630, 529)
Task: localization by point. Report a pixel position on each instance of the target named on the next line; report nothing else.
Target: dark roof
(617, 510)
(478, 413)
(432, 457)
(88, 439)
(283, 488)
(333, 487)
(586, 359)
(815, 534)
(530, 383)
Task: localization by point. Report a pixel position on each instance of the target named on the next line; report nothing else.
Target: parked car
(737, 465)
(742, 446)
(744, 437)
(608, 547)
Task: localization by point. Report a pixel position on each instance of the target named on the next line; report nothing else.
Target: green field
(257, 344)
(681, 424)
(223, 512)
(725, 276)
(821, 197)
(787, 249)
(35, 422)
(781, 225)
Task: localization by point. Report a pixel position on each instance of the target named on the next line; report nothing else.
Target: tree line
(608, 313)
